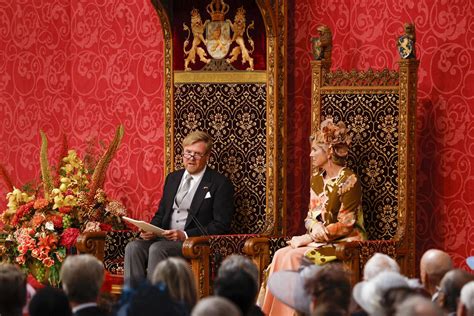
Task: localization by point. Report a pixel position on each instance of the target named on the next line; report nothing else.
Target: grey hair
(467, 297)
(215, 306)
(82, 276)
(178, 277)
(236, 262)
(379, 263)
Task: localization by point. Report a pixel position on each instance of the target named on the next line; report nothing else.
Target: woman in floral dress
(335, 211)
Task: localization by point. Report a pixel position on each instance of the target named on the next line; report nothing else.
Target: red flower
(69, 236)
(65, 209)
(22, 211)
(57, 221)
(105, 227)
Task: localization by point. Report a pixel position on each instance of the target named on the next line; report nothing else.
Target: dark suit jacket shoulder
(212, 205)
(90, 311)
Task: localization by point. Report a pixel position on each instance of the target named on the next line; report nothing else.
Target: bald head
(433, 266)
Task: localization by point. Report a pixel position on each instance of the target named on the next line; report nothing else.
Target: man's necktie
(183, 190)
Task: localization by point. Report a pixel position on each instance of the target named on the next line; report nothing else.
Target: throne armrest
(206, 254)
(261, 250)
(197, 250)
(92, 243)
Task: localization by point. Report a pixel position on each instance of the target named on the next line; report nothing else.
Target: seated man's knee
(133, 247)
(157, 248)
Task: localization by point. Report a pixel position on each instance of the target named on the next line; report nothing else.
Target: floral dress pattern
(337, 203)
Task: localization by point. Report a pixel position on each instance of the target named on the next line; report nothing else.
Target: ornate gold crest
(215, 34)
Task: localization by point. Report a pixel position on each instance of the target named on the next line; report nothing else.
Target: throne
(242, 110)
(379, 108)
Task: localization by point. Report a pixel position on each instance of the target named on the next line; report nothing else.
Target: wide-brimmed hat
(470, 262)
(368, 294)
(288, 287)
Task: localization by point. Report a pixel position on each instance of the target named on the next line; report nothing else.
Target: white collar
(195, 176)
(77, 308)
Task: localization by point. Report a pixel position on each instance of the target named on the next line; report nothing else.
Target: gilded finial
(406, 42)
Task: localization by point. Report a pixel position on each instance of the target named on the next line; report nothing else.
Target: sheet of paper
(145, 226)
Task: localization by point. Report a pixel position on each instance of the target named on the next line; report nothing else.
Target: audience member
(330, 285)
(329, 309)
(82, 277)
(176, 274)
(379, 262)
(450, 289)
(433, 266)
(235, 263)
(215, 306)
(12, 290)
(289, 287)
(49, 301)
(150, 300)
(239, 287)
(466, 303)
(369, 294)
(394, 297)
(418, 306)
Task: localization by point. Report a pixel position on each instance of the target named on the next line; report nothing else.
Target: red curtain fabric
(81, 68)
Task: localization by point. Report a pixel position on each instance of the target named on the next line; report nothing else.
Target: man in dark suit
(196, 201)
(82, 276)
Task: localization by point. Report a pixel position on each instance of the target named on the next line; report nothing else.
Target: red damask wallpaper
(80, 68)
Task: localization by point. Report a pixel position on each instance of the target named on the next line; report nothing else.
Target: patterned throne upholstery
(379, 108)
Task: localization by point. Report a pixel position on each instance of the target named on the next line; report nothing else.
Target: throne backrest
(378, 107)
(235, 116)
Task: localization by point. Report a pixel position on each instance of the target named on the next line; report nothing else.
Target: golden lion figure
(197, 28)
(238, 27)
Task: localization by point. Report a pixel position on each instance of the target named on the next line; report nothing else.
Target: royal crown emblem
(215, 34)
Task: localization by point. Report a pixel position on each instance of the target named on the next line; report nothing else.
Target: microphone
(217, 255)
(198, 224)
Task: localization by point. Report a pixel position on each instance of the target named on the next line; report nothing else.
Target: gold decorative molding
(168, 86)
(220, 77)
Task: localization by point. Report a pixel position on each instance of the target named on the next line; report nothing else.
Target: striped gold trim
(220, 77)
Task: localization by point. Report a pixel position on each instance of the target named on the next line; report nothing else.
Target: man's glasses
(190, 154)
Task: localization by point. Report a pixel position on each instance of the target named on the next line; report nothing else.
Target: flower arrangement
(42, 225)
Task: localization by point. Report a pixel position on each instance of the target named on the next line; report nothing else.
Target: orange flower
(38, 219)
(40, 203)
(47, 241)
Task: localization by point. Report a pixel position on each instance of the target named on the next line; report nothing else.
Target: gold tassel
(98, 177)
(45, 170)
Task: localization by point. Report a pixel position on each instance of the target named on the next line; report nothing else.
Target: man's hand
(174, 234)
(147, 235)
